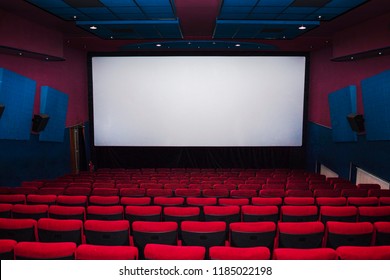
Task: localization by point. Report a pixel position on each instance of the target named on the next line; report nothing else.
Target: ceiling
(125, 25)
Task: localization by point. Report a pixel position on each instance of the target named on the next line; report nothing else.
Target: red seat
(5, 210)
(331, 201)
(250, 186)
(67, 212)
(77, 191)
(53, 230)
(190, 192)
(299, 193)
(254, 213)
(243, 193)
(338, 213)
(297, 186)
(299, 201)
(206, 234)
(348, 234)
(136, 192)
(168, 201)
(41, 199)
(363, 252)
(215, 193)
(374, 214)
(7, 249)
(263, 201)
(173, 252)
(103, 252)
(236, 253)
(201, 201)
(252, 234)
(382, 233)
(55, 191)
(272, 193)
(126, 201)
(159, 192)
(384, 201)
(45, 251)
(379, 193)
(179, 214)
(326, 193)
(23, 190)
(105, 192)
(103, 200)
(13, 198)
(18, 229)
(105, 212)
(110, 233)
(77, 200)
(363, 201)
(306, 213)
(35, 212)
(368, 186)
(354, 193)
(304, 254)
(302, 235)
(233, 201)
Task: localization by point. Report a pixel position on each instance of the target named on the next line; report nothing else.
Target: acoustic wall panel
(17, 94)
(342, 103)
(55, 104)
(376, 102)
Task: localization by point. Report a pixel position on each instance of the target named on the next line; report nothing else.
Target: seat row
(10, 249)
(303, 235)
(65, 200)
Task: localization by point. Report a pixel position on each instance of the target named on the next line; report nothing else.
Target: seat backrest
(237, 253)
(41, 199)
(45, 250)
(200, 233)
(143, 213)
(7, 249)
(304, 254)
(168, 201)
(173, 252)
(331, 201)
(382, 233)
(374, 214)
(363, 201)
(363, 252)
(103, 200)
(113, 233)
(13, 198)
(252, 234)
(263, 201)
(136, 201)
(348, 234)
(21, 211)
(338, 213)
(5, 210)
(254, 213)
(18, 229)
(307, 213)
(53, 230)
(302, 235)
(68, 200)
(103, 252)
(105, 212)
(67, 212)
(292, 200)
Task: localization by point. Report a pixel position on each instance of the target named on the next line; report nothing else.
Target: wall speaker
(39, 122)
(2, 107)
(356, 122)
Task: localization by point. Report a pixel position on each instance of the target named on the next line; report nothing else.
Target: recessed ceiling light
(158, 45)
(111, 37)
(189, 43)
(319, 17)
(237, 45)
(214, 43)
(74, 17)
(20, 53)
(380, 53)
(302, 27)
(352, 57)
(93, 27)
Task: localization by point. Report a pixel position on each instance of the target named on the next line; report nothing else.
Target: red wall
(69, 76)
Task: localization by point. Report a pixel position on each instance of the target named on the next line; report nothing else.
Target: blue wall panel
(376, 100)
(17, 93)
(342, 103)
(55, 104)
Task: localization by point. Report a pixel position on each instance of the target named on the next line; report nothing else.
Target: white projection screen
(198, 101)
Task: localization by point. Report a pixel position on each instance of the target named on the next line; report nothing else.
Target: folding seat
(304, 254)
(274, 186)
(18, 229)
(36, 184)
(363, 252)
(379, 193)
(145, 232)
(334, 180)
(354, 193)
(5, 210)
(104, 192)
(215, 193)
(253, 213)
(159, 192)
(234, 181)
(250, 186)
(45, 251)
(326, 193)
(103, 200)
(374, 214)
(243, 193)
(384, 201)
(190, 192)
(338, 214)
(41, 199)
(7, 249)
(237, 253)
(5, 190)
(331, 201)
(174, 186)
(320, 186)
(78, 185)
(132, 192)
(22, 211)
(151, 185)
(51, 191)
(256, 181)
(201, 201)
(297, 186)
(382, 233)
(104, 185)
(112, 233)
(53, 230)
(103, 252)
(363, 201)
(292, 200)
(233, 201)
(282, 180)
(180, 214)
(13, 198)
(77, 191)
(264, 201)
(143, 213)
(200, 186)
(302, 235)
(253, 234)
(344, 186)
(292, 213)
(23, 190)
(226, 186)
(206, 234)
(70, 200)
(145, 200)
(173, 252)
(108, 213)
(228, 214)
(168, 201)
(368, 186)
(272, 193)
(348, 234)
(299, 193)
(67, 212)
(127, 185)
